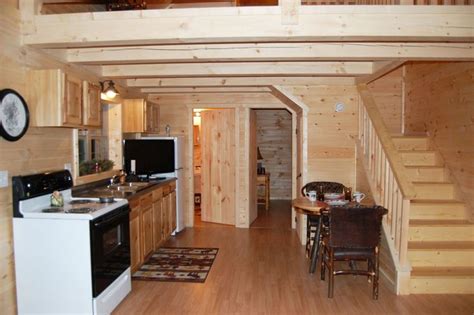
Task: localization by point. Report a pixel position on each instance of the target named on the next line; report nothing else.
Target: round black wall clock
(14, 115)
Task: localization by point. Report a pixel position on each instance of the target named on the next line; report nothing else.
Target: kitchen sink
(131, 186)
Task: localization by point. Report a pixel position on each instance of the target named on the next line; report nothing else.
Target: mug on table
(358, 196)
(312, 195)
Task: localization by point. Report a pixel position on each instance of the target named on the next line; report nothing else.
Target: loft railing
(386, 176)
(387, 2)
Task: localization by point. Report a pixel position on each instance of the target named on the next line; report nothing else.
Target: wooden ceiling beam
(323, 68)
(270, 51)
(237, 81)
(213, 89)
(253, 24)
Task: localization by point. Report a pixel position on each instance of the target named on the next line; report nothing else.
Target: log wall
(274, 141)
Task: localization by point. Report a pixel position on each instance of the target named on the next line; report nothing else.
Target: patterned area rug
(180, 264)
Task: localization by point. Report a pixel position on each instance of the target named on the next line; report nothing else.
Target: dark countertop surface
(128, 190)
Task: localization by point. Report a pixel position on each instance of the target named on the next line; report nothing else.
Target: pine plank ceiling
(248, 48)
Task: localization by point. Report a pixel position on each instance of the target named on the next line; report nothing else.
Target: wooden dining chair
(312, 220)
(353, 235)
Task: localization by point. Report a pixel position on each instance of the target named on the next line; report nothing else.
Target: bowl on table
(334, 196)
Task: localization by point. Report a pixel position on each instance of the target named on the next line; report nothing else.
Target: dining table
(304, 206)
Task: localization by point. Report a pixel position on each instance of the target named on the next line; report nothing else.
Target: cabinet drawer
(166, 190)
(146, 201)
(157, 194)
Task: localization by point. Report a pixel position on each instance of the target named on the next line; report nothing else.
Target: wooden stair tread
(441, 245)
(425, 166)
(442, 271)
(436, 201)
(440, 223)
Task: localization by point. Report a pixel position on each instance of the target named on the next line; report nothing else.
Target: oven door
(110, 248)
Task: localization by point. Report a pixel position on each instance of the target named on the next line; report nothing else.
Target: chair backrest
(355, 227)
(323, 187)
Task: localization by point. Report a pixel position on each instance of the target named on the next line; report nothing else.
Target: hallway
(264, 270)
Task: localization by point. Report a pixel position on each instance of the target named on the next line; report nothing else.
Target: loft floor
(264, 270)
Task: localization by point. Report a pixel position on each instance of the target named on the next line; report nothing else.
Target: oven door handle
(111, 220)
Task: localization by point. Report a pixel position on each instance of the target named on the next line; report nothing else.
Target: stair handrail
(393, 157)
(390, 187)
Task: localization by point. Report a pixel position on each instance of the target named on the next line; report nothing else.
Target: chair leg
(315, 249)
(331, 274)
(375, 293)
(323, 264)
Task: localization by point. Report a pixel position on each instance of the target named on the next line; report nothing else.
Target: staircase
(440, 239)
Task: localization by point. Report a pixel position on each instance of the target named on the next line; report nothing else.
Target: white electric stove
(69, 259)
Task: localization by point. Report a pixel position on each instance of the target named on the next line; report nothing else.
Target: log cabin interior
(375, 94)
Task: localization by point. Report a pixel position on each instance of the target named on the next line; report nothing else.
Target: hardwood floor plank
(263, 270)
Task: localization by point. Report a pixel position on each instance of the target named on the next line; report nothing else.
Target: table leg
(315, 248)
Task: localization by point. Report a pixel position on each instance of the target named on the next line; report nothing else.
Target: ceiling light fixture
(109, 91)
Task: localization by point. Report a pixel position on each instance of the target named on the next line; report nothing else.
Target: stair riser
(411, 143)
(441, 258)
(442, 285)
(434, 191)
(420, 159)
(426, 174)
(437, 212)
(441, 233)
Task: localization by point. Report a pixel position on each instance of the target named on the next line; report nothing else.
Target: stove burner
(81, 201)
(80, 210)
(51, 210)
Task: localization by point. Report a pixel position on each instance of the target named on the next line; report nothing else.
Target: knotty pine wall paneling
(387, 93)
(40, 149)
(440, 101)
(274, 140)
(331, 134)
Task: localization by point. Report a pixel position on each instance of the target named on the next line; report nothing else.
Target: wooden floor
(263, 270)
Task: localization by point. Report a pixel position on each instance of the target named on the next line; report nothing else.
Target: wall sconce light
(108, 89)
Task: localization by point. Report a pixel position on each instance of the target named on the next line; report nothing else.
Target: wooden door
(72, 115)
(218, 166)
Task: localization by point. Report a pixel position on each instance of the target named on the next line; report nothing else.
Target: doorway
(273, 145)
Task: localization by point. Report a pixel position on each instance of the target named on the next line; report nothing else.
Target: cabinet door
(72, 107)
(147, 231)
(133, 115)
(91, 105)
(157, 223)
(173, 210)
(135, 248)
(152, 116)
(166, 216)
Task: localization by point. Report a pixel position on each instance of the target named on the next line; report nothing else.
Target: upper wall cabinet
(138, 115)
(91, 105)
(58, 99)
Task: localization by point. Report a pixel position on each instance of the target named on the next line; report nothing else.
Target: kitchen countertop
(127, 191)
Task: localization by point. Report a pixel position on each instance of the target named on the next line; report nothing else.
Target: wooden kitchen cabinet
(146, 218)
(135, 247)
(152, 219)
(138, 115)
(91, 106)
(157, 218)
(59, 99)
(172, 201)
